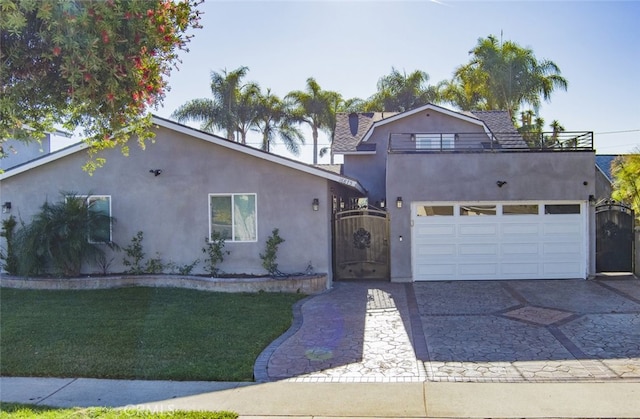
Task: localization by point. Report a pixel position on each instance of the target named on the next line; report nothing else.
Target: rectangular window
(435, 141)
(478, 209)
(562, 209)
(524, 209)
(434, 210)
(233, 216)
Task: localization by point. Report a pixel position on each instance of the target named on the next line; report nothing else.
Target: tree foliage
(503, 76)
(314, 107)
(400, 92)
(91, 64)
(626, 184)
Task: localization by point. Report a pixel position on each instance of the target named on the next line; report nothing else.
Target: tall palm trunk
(315, 143)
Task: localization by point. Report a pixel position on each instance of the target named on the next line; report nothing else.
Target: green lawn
(19, 411)
(144, 333)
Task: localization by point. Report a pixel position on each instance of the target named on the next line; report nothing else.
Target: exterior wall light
(6, 207)
(383, 203)
(399, 202)
(341, 204)
(315, 204)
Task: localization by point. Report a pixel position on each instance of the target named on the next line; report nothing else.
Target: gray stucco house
(470, 198)
(186, 184)
(464, 196)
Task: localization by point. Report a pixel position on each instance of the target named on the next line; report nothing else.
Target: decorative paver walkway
(481, 331)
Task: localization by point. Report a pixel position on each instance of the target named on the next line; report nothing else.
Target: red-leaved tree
(97, 65)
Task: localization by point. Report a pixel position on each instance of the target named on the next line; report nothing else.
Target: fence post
(637, 251)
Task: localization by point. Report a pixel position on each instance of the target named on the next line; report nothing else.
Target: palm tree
(246, 110)
(399, 92)
(507, 76)
(228, 108)
(273, 119)
(557, 128)
(313, 107)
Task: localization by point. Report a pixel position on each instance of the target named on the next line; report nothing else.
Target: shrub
(271, 253)
(134, 255)
(57, 239)
(8, 255)
(214, 249)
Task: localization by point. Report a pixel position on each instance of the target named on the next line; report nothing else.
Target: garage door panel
(509, 246)
(521, 229)
(476, 249)
(570, 228)
(436, 270)
(436, 229)
(479, 230)
(561, 249)
(519, 270)
(437, 250)
(560, 269)
(478, 269)
(520, 249)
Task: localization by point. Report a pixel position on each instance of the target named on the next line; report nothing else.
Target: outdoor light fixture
(156, 172)
(501, 183)
(399, 202)
(383, 203)
(315, 204)
(341, 204)
(592, 200)
(6, 207)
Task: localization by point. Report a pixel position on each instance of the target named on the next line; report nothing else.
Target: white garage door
(505, 240)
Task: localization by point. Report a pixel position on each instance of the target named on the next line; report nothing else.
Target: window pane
(100, 221)
(433, 141)
(434, 210)
(244, 217)
(477, 210)
(562, 209)
(221, 216)
(520, 209)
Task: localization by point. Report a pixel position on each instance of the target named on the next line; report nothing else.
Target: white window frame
(434, 141)
(233, 215)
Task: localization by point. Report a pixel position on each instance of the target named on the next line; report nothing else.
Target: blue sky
(348, 45)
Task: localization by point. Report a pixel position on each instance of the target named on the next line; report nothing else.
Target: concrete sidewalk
(365, 400)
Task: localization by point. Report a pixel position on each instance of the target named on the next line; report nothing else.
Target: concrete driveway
(481, 331)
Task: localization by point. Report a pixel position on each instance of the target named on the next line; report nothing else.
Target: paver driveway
(539, 330)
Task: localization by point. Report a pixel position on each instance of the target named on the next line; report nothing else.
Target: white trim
(43, 160)
(160, 122)
(429, 106)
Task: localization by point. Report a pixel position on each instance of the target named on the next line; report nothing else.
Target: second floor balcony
(492, 142)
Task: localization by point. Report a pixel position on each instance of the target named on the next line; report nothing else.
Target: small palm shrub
(57, 238)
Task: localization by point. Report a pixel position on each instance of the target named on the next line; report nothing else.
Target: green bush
(214, 249)
(271, 253)
(8, 255)
(57, 239)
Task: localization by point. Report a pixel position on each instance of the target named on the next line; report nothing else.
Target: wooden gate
(361, 244)
(614, 238)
